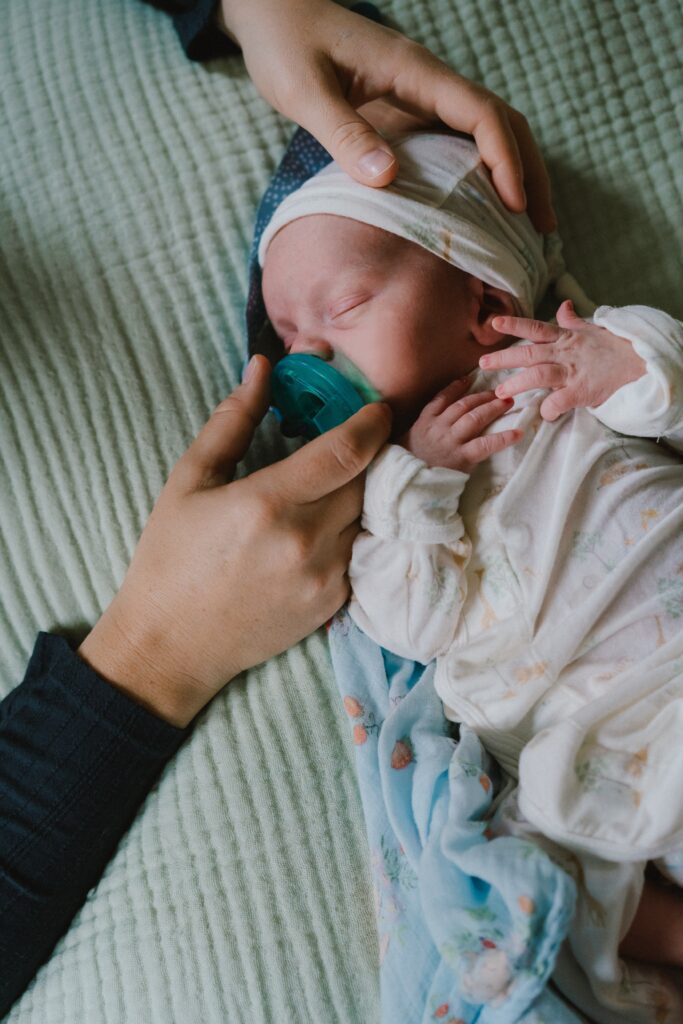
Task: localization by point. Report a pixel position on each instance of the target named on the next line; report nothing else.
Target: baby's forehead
(323, 246)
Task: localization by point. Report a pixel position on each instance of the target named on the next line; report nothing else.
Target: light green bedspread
(128, 184)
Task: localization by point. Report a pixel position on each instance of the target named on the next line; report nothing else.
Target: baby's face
(410, 321)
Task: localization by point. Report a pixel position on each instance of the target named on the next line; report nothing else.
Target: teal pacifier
(310, 395)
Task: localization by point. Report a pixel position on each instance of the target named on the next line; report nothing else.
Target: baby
(528, 545)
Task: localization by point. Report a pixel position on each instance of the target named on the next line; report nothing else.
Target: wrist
(236, 18)
(131, 654)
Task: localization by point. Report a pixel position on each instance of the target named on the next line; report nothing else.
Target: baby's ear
(493, 302)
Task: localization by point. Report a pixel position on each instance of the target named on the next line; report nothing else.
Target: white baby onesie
(549, 586)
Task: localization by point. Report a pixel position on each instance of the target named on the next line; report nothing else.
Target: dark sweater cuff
(56, 673)
(199, 34)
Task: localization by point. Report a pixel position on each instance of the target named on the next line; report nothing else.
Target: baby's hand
(582, 364)
(448, 430)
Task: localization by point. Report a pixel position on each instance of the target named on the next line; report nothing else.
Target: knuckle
(480, 449)
(287, 90)
(494, 106)
(475, 419)
(348, 133)
(539, 377)
(414, 55)
(318, 590)
(348, 456)
(462, 405)
(261, 512)
(517, 118)
(409, 48)
(234, 405)
(295, 550)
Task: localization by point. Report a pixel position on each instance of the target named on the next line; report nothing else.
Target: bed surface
(129, 180)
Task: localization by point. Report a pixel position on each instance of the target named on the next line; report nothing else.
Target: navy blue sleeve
(195, 23)
(77, 758)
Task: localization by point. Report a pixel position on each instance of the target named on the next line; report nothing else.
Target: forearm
(77, 758)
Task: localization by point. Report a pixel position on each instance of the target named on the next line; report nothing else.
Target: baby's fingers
(523, 327)
(469, 419)
(482, 448)
(545, 375)
(517, 357)
(450, 394)
(558, 403)
(568, 318)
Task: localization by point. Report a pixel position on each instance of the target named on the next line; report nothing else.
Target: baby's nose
(306, 345)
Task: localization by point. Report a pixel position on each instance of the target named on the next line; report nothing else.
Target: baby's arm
(408, 566)
(626, 367)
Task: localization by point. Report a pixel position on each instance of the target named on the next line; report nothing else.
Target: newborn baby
(537, 556)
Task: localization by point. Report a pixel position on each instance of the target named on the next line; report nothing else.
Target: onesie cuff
(405, 499)
(57, 677)
(645, 407)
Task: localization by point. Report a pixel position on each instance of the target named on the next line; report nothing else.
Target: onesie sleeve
(653, 405)
(408, 565)
(77, 758)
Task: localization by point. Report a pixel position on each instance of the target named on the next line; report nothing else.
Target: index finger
(503, 136)
(332, 460)
(525, 327)
(509, 150)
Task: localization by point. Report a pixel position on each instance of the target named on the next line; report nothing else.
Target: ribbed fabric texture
(129, 179)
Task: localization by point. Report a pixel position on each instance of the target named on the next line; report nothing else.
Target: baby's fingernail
(509, 399)
(485, 361)
(374, 163)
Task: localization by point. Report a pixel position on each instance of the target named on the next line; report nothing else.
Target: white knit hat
(443, 200)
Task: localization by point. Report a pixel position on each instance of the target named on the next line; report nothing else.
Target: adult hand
(227, 574)
(317, 63)
(581, 363)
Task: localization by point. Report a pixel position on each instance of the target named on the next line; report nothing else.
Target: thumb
(212, 457)
(351, 140)
(332, 460)
(568, 318)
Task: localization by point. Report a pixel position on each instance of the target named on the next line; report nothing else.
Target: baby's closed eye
(347, 304)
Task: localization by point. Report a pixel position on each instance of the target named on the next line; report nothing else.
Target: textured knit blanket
(129, 181)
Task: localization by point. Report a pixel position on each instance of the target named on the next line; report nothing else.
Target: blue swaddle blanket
(469, 924)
